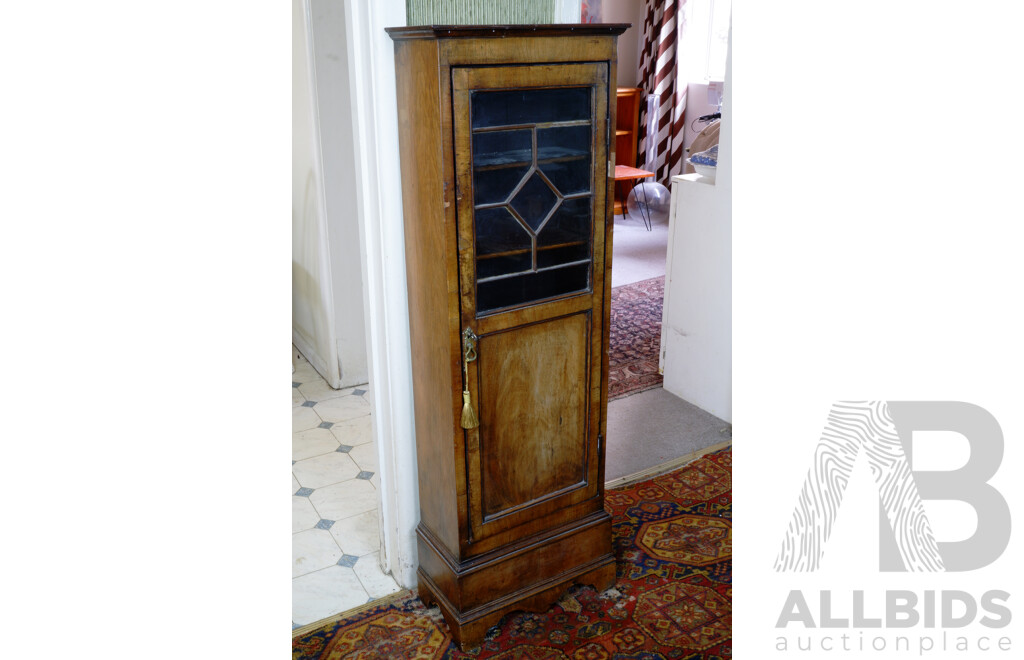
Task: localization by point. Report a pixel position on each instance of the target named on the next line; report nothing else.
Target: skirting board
(315, 360)
(662, 468)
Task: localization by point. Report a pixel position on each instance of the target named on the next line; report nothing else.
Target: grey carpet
(638, 254)
(653, 427)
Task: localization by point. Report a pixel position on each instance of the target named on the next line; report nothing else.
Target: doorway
(648, 427)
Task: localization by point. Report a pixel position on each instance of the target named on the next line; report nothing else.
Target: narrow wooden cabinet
(505, 135)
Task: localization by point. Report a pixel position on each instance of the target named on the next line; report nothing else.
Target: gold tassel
(469, 420)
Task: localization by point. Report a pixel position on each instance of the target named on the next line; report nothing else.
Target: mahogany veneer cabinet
(504, 139)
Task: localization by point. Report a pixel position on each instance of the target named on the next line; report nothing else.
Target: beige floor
(655, 427)
(638, 254)
(335, 482)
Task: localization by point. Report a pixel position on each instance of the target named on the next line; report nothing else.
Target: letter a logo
(883, 430)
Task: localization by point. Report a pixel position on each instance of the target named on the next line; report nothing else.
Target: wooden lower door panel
(535, 421)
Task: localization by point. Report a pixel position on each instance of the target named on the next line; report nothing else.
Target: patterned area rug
(635, 337)
(672, 596)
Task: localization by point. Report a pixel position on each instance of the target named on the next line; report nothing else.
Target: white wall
(694, 65)
(696, 106)
(626, 11)
(312, 300)
(328, 320)
(568, 11)
(330, 59)
(696, 330)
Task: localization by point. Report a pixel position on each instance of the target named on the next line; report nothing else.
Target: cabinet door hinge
(600, 442)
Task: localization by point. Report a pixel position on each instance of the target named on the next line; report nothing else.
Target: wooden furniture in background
(504, 141)
(627, 122)
(630, 176)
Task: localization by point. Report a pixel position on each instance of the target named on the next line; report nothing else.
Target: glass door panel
(532, 178)
(510, 107)
(503, 245)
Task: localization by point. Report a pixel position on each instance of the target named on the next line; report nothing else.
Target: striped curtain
(663, 30)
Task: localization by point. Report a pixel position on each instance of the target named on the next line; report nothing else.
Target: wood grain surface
(533, 408)
(511, 512)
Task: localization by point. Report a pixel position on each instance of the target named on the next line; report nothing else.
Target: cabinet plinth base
(474, 594)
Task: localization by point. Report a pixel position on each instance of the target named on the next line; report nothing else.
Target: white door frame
(379, 204)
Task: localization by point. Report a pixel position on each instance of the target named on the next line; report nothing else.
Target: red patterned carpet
(635, 337)
(672, 597)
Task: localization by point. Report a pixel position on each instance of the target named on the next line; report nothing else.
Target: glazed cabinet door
(531, 168)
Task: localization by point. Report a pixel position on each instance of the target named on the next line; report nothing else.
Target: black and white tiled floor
(335, 528)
